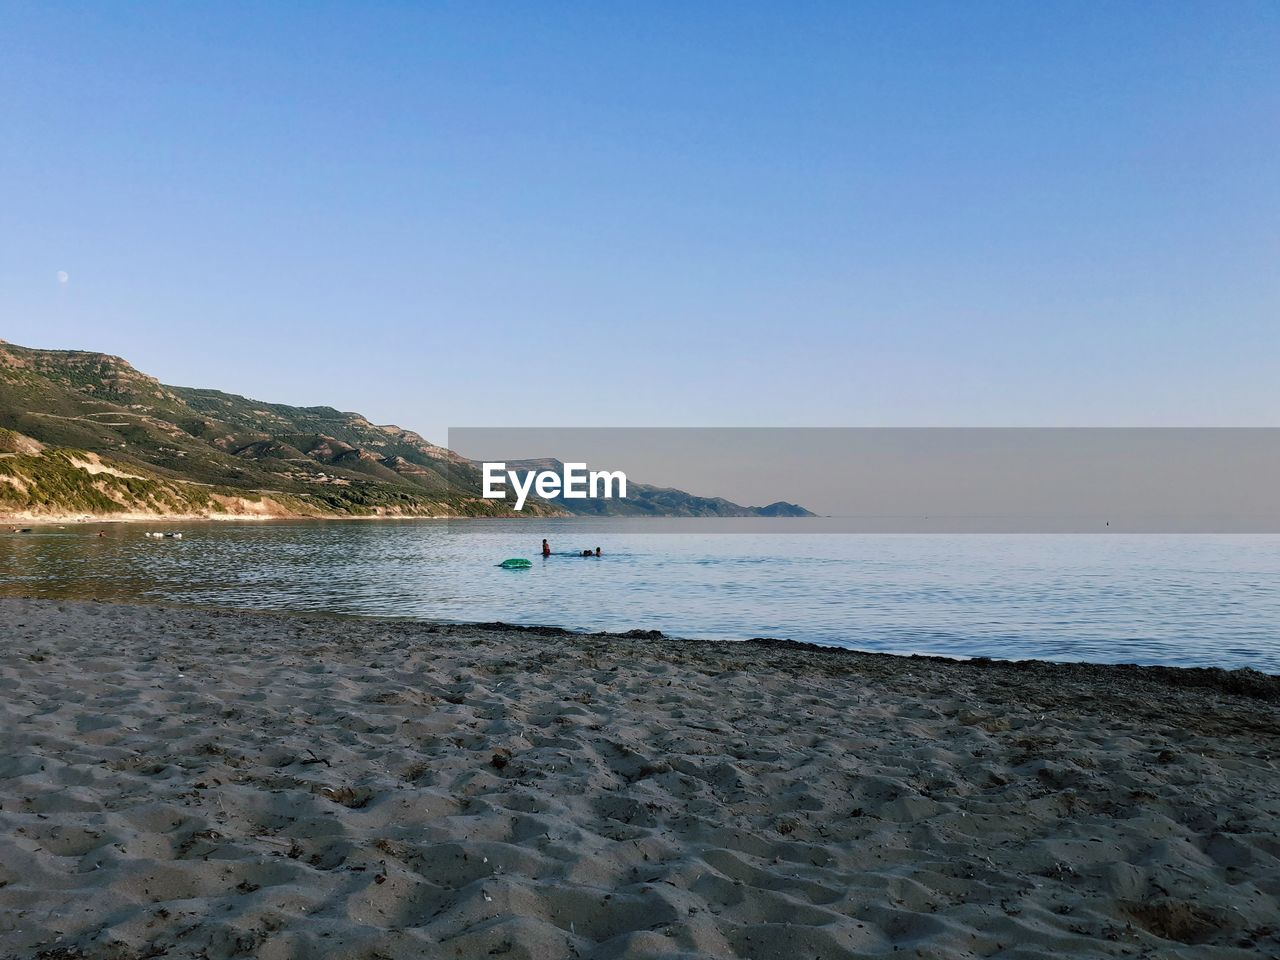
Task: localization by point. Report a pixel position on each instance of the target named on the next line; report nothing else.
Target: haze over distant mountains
(646, 500)
(85, 434)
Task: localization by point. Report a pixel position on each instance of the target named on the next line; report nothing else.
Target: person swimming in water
(587, 553)
(546, 548)
(597, 551)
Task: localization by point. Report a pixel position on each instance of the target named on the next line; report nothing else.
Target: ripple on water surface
(1182, 600)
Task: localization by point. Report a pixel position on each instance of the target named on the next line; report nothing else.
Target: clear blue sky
(657, 214)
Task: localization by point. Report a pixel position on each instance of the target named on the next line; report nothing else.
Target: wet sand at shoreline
(190, 783)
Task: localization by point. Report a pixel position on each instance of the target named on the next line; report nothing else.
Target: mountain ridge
(194, 451)
(646, 499)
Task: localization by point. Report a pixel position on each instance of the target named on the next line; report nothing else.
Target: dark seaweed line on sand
(1244, 681)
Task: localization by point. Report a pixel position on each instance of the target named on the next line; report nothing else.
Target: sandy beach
(186, 783)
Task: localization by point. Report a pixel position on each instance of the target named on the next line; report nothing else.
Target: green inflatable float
(516, 563)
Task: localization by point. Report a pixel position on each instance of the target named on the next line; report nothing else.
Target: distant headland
(86, 436)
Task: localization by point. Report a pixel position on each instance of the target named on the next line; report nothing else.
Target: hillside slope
(85, 434)
(320, 460)
(68, 484)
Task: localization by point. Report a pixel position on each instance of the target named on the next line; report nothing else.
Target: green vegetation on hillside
(56, 482)
(318, 460)
(13, 442)
(195, 451)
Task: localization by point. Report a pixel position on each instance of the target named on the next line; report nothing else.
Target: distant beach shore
(189, 783)
(32, 520)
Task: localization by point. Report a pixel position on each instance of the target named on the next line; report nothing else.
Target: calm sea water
(1186, 600)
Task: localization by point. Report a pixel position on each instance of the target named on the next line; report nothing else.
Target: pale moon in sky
(63, 276)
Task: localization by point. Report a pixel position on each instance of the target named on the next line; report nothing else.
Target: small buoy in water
(516, 563)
